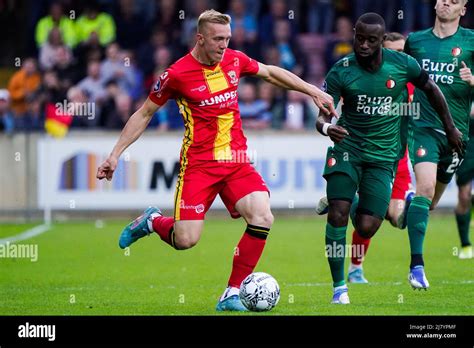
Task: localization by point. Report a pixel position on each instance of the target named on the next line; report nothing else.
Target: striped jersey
(208, 102)
(441, 59)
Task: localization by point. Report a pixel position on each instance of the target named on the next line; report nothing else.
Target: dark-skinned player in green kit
(367, 137)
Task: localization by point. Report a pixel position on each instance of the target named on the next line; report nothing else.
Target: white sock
(353, 267)
(340, 287)
(229, 291)
(149, 222)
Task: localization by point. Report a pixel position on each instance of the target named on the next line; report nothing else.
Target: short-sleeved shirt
(208, 101)
(374, 103)
(441, 59)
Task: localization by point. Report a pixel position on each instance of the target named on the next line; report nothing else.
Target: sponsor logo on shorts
(390, 84)
(331, 162)
(421, 152)
(456, 51)
(197, 208)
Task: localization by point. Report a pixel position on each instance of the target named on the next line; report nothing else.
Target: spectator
(243, 19)
(321, 16)
(121, 112)
(131, 30)
(255, 113)
(136, 75)
(290, 57)
(146, 52)
(278, 10)
(169, 21)
(297, 112)
(162, 60)
(117, 67)
(50, 51)
(340, 44)
(239, 42)
(77, 97)
(273, 97)
(193, 8)
(67, 72)
(271, 55)
(56, 19)
(93, 83)
(22, 85)
(7, 123)
(52, 90)
(94, 25)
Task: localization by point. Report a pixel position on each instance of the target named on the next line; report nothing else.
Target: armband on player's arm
(421, 80)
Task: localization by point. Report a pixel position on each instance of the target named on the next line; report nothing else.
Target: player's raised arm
(439, 104)
(286, 79)
(134, 127)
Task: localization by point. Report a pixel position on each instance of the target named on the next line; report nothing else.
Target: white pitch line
(382, 283)
(32, 232)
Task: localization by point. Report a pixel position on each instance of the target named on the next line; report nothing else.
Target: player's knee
(263, 219)
(338, 217)
(464, 201)
(425, 190)
(185, 241)
(367, 228)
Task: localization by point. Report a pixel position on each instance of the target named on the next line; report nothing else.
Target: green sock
(417, 221)
(335, 252)
(355, 204)
(463, 221)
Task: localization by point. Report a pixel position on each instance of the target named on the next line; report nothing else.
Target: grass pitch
(81, 271)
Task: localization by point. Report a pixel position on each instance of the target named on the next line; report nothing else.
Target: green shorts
(428, 145)
(465, 172)
(373, 182)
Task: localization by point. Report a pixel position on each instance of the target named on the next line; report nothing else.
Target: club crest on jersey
(233, 77)
(421, 152)
(390, 84)
(456, 51)
(331, 162)
(324, 87)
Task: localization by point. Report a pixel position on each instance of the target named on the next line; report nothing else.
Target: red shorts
(199, 184)
(402, 179)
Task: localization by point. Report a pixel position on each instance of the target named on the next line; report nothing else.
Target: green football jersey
(441, 59)
(373, 104)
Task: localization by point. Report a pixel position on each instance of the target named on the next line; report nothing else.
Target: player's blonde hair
(212, 16)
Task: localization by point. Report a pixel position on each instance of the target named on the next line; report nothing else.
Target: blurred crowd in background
(110, 53)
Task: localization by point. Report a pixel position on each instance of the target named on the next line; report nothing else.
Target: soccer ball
(259, 292)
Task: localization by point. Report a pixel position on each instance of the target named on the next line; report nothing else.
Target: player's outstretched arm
(286, 79)
(135, 126)
(438, 102)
